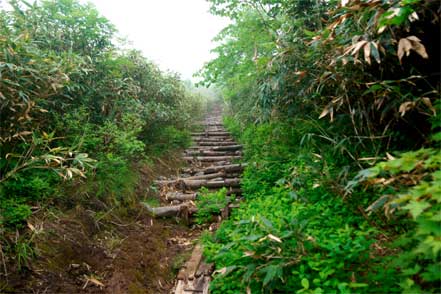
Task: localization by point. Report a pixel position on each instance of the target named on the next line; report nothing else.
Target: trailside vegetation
(77, 114)
(337, 104)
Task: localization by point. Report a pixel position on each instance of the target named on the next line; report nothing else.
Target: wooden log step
(205, 269)
(180, 196)
(211, 158)
(215, 144)
(207, 176)
(196, 184)
(167, 211)
(188, 272)
(217, 148)
(202, 152)
(200, 177)
(200, 285)
(212, 139)
(206, 134)
(227, 148)
(226, 168)
(216, 124)
(229, 169)
(235, 191)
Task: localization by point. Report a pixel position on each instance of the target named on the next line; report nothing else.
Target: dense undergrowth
(80, 119)
(337, 106)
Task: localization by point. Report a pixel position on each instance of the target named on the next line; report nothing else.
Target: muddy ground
(92, 248)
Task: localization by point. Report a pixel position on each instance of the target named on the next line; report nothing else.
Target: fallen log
(173, 210)
(211, 158)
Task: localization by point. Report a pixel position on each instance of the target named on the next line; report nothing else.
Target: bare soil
(121, 250)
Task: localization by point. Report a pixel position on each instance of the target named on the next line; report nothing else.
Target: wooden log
(166, 211)
(195, 184)
(206, 176)
(211, 158)
(212, 139)
(180, 196)
(179, 289)
(205, 269)
(217, 148)
(188, 272)
(206, 134)
(200, 177)
(210, 153)
(235, 191)
(226, 168)
(217, 144)
(227, 148)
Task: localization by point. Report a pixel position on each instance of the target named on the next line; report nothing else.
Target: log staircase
(212, 164)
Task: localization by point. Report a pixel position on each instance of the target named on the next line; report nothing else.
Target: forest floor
(117, 251)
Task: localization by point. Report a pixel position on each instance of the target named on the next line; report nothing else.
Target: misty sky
(175, 34)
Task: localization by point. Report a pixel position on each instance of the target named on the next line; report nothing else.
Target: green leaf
(272, 271)
(416, 207)
(357, 285)
(305, 283)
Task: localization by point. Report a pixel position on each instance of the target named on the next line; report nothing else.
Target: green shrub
(209, 204)
(411, 183)
(293, 232)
